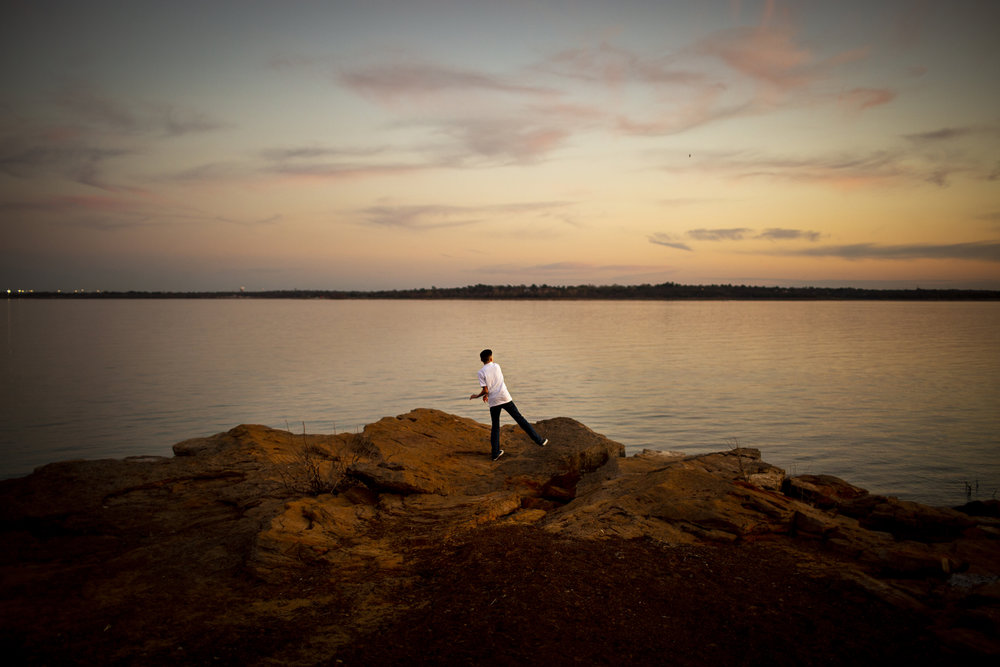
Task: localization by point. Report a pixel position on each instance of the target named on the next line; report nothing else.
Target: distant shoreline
(646, 292)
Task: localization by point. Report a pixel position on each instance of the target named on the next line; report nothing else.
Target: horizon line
(534, 291)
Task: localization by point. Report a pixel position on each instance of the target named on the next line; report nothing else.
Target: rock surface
(259, 546)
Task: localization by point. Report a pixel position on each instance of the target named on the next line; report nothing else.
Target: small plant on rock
(735, 448)
(313, 471)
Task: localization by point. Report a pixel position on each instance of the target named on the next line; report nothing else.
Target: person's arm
(484, 392)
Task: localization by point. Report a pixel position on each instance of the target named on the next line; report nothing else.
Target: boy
(495, 394)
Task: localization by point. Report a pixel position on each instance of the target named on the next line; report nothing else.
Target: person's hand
(486, 399)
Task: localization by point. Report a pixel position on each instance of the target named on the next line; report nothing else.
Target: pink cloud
(614, 66)
(701, 106)
(520, 140)
(860, 99)
(764, 54)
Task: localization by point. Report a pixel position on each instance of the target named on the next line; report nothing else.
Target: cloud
(741, 233)
(860, 99)
(766, 54)
(575, 270)
(420, 217)
(522, 117)
(86, 104)
(395, 82)
(943, 134)
(735, 234)
(99, 212)
(681, 95)
(315, 152)
(614, 66)
(784, 71)
(251, 222)
(666, 240)
(779, 234)
(315, 163)
(309, 164)
(896, 165)
(566, 267)
(508, 140)
(700, 106)
(434, 216)
(984, 251)
(484, 118)
(846, 170)
(687, 92)
(65, 203)
(116, 211)
(30, 158)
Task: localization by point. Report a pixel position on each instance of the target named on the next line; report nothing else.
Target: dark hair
(485, 355)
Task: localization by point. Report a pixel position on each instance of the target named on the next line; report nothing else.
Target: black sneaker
(498, 455)
(544, 442)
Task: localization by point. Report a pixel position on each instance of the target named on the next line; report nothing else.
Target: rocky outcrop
(356, 508)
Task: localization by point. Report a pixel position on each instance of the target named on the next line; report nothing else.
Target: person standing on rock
(495, 394)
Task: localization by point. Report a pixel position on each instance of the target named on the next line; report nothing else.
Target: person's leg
(495, 430)
(521, 421)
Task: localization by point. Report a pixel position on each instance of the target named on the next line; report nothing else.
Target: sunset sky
(367, 145)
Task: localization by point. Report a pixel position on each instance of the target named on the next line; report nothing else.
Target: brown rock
(290, 547)
(907, 520)
(823, 491)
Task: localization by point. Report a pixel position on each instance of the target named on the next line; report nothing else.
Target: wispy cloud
(734, 234)
(118, 211)
(76, 161)
(702, 105)
(859, 99)
(297, 153)
(985, 251)
(505, 140)
(400, 81)
(666, 240)
(306, 164)
(614, 66)
(941, 135)
(475, 119)
(737, 234)
(766, 54)
(523, 116)
(433, 216)
(845, 170)
(780, 234)
(420, 217)
(575, 271)
(87, 104)
(84, 133)
(343, 162)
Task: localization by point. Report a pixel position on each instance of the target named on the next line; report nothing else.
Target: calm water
(900, 398)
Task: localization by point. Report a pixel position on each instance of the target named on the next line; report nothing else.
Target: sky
(385, 145)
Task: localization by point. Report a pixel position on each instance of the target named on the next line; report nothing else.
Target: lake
(902, 398)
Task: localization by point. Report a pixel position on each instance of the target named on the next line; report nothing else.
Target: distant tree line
(663, 291)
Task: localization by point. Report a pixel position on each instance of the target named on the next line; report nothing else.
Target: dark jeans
(521, 421)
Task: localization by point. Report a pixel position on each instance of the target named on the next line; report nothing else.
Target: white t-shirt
(491, 377)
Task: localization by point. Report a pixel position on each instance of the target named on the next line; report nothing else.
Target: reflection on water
(898, 397)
